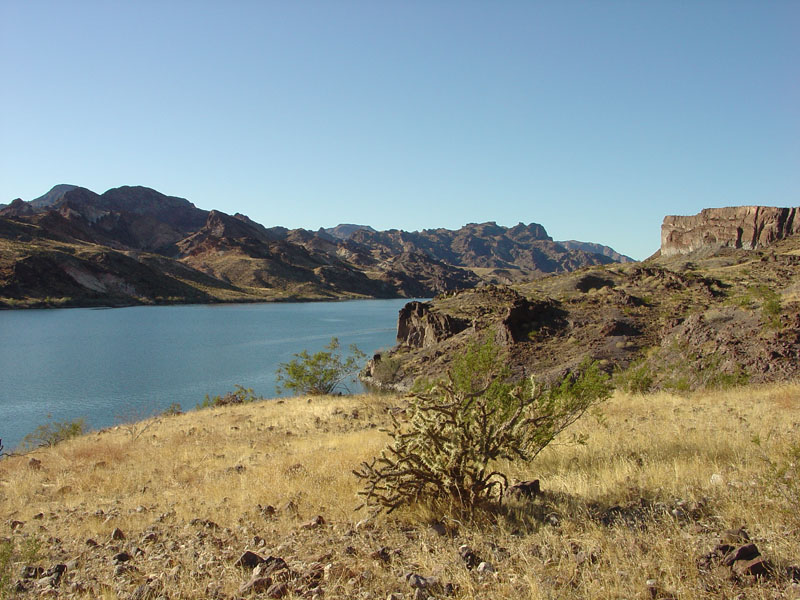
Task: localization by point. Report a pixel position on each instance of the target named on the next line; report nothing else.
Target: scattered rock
(382, 554)
(524, 489)
(742, 553)
(485, 567)
(117, 534)
(444, 530)
(469, 557)
(742, 560)
(757, 567)
(31, 572)
(266, 511)
(277, 590)
(121, 557)
(272, 565)
(317, 521)
(248, 560)
(204, 523)
(146, 591)
(419, 582)
(256, 585)
(735, 536)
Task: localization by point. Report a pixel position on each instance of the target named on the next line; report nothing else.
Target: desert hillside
(257, 501)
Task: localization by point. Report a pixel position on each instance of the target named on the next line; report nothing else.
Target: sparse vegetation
(781, 479)
(770, 307)
(460, 428)
(323, 372)
(637, 378)
(240, 395)
(172, 410)
(6, 565)
(680, 369)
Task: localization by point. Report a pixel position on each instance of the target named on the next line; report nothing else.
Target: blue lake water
(110, 366)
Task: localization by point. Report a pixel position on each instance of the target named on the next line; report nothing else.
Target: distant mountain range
(74, 247)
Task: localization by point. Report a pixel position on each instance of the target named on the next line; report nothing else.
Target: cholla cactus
(458, 430)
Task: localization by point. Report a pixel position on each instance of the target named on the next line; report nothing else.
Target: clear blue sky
(594, 119)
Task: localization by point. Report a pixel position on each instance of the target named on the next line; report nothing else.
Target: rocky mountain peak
(344, 231)
(52, 197)
(528, 233)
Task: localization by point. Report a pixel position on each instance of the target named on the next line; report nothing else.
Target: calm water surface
(115, 365)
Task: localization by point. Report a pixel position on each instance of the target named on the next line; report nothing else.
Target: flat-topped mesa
(747, 227)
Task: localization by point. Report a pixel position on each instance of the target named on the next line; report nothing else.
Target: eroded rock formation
(746, 227)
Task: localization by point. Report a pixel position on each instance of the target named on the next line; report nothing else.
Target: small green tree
(459, 428)
(53, 433)
(321, 373)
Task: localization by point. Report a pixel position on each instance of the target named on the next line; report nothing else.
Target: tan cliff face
(746, 227)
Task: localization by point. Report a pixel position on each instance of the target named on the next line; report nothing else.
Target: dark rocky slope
(717, 317)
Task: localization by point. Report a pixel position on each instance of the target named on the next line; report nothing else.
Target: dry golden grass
(659, 480)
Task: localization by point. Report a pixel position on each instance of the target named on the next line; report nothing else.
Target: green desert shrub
(324, 372)
(53, 433)
(459, 428)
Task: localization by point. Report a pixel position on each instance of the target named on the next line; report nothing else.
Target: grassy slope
(651, 455)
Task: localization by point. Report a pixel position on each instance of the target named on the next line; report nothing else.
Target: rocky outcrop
(746, 227)
(418, 326)
(527, 318)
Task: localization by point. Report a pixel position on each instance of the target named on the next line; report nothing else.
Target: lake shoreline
(211, 302)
